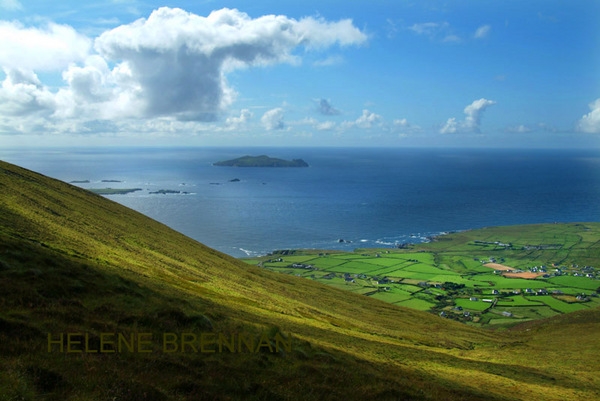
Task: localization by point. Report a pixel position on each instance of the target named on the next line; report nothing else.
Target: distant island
(169, 191)
(111, 181)
(261, 161)
(80, 182)
(113, 191)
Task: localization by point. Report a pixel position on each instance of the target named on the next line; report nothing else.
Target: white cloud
(591, 122)
(428, 28)
(326, 108)
(472, 120)
(325, 126)
(53, 47)
(482, 32)
(179, 60)
(171, 65)
(22, 94)
(443, 32)
(273, 119)
(367, 119)
(319, 33)
(314, 123)
(450, 127)
(404, 126)
(11, 5)
(245, 117)
(88, 83)
(436, 30)
(304, 121)
(329, 61)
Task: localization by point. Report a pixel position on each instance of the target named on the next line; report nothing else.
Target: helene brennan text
(168, 342)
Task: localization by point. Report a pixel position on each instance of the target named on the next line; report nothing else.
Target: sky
(461, 73)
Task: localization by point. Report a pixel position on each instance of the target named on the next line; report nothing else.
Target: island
(113, 191)
(80, 182)
(111, 181)
(261, 161)
(169, 191)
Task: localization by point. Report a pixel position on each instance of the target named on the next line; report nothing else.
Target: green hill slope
(74, 262)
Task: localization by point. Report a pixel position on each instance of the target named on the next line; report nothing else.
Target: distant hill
(72, 261)
(261, 161)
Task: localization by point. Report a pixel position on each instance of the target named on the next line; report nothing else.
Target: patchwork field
(496, 276)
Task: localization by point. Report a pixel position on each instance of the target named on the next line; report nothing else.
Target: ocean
(366, 197)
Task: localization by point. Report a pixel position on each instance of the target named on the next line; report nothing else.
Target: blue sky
(376, 73)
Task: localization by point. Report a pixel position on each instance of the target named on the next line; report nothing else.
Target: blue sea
(367, 197)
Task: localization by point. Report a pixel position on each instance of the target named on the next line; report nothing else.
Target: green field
(416, 303)
(521, 301)
(393, 296)
(559, 305)
(472, 305)
(583, 283)
(459, 260)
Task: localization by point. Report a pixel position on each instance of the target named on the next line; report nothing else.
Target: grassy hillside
(73, 261)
